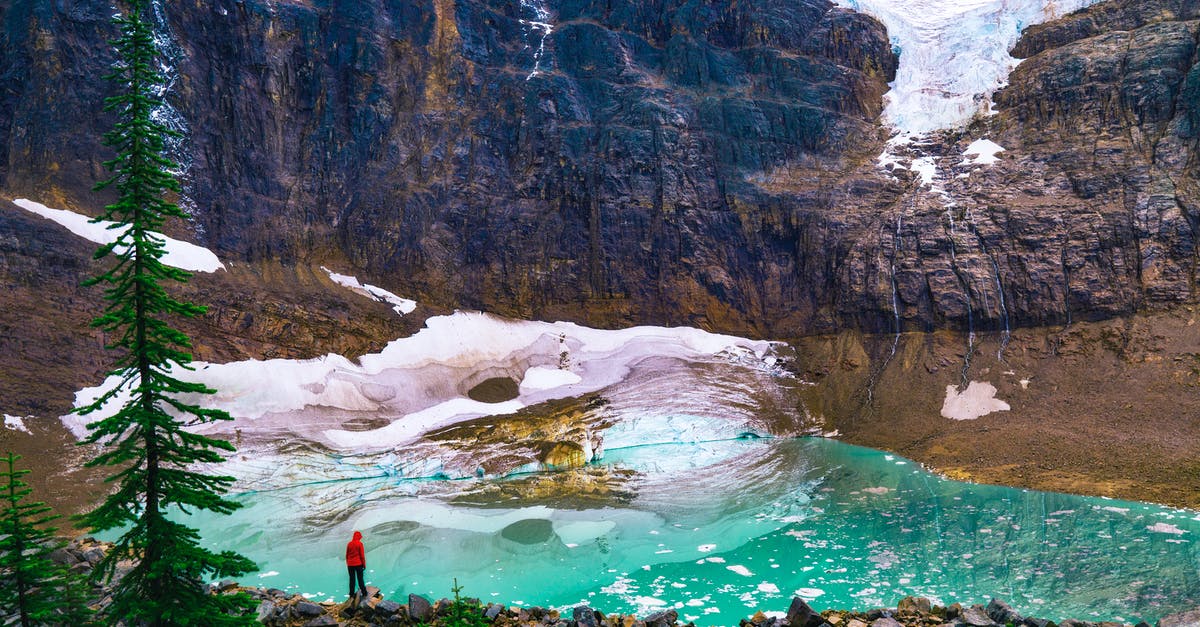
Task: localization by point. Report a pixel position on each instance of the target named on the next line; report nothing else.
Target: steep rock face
(664, 162)
(594, 167)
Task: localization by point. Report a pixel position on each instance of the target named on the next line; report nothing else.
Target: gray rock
(323, 620)
(419, 608)
(266, 609)
(953, 611)
(977, 617)
(662, 619)
(94, 555)
(1039, 622)
(63, 557)
(1002, 613)
(226, 585)
(1182, 619)
(308, 609)
(493, 611)
(801, 615)
(1071, 622)
(387, 607)
(584, 616)
(886, 621)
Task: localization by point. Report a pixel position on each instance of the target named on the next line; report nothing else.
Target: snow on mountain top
(180, 254)
(953, 54)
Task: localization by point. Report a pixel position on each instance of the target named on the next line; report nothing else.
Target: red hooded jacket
(355, 554)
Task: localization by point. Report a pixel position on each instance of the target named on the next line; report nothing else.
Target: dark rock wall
(670, 161)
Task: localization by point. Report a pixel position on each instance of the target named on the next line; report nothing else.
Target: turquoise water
(722, 529)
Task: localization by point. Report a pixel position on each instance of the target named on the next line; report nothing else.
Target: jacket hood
(358, 535)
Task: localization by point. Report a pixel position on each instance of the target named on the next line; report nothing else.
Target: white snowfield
(953, 54)
(179, 254)
(419, 383)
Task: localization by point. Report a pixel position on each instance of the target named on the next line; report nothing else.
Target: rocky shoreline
(278, 608)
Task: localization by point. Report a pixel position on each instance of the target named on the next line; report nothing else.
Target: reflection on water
(720, 529)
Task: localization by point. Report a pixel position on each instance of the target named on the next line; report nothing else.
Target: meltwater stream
(721, 529)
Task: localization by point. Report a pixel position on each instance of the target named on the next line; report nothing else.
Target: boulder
(419, 608)
(584, 616)
(307, 609)
(323, 620)
(662, 619)
(953, 611)
(387, 607)
(977, 617)
(493, 611)
(914, 605)
(1002, 613)
(801, 615)
(266, 609)
(886, 621)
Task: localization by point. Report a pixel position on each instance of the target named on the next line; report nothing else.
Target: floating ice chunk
(741, 570)
(768, 588)
(979, 399)
(1161, 527)
(15, 423)
(985, 152)
(541, 378)
(705, 548)
(399, 305)
(878, 490)
(808, 594)
(179, 254)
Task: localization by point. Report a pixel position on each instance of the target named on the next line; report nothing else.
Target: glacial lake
(720, 529)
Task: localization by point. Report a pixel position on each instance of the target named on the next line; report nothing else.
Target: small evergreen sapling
(146, 439)
(36, 590)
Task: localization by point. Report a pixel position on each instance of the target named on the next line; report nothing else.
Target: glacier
(953, 54)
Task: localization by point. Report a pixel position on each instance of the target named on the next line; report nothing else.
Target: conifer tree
(157, 460)
(36, 590)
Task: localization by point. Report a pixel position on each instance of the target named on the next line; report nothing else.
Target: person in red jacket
(356, 563)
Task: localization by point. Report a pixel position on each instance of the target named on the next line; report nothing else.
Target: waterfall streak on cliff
(539, 23)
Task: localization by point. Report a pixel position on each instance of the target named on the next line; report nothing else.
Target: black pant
(357, 571)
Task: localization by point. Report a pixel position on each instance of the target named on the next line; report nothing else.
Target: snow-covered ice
(399, 305)
(421, 382)
(979, 399)
(953, 54)
(179, 254)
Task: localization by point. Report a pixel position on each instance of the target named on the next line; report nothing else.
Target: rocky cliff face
(665, 161)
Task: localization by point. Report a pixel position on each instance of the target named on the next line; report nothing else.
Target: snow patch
(984, 151)
(400, 305)
(979, 399)
(16, 423)
(542, 378)
(179, 254)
